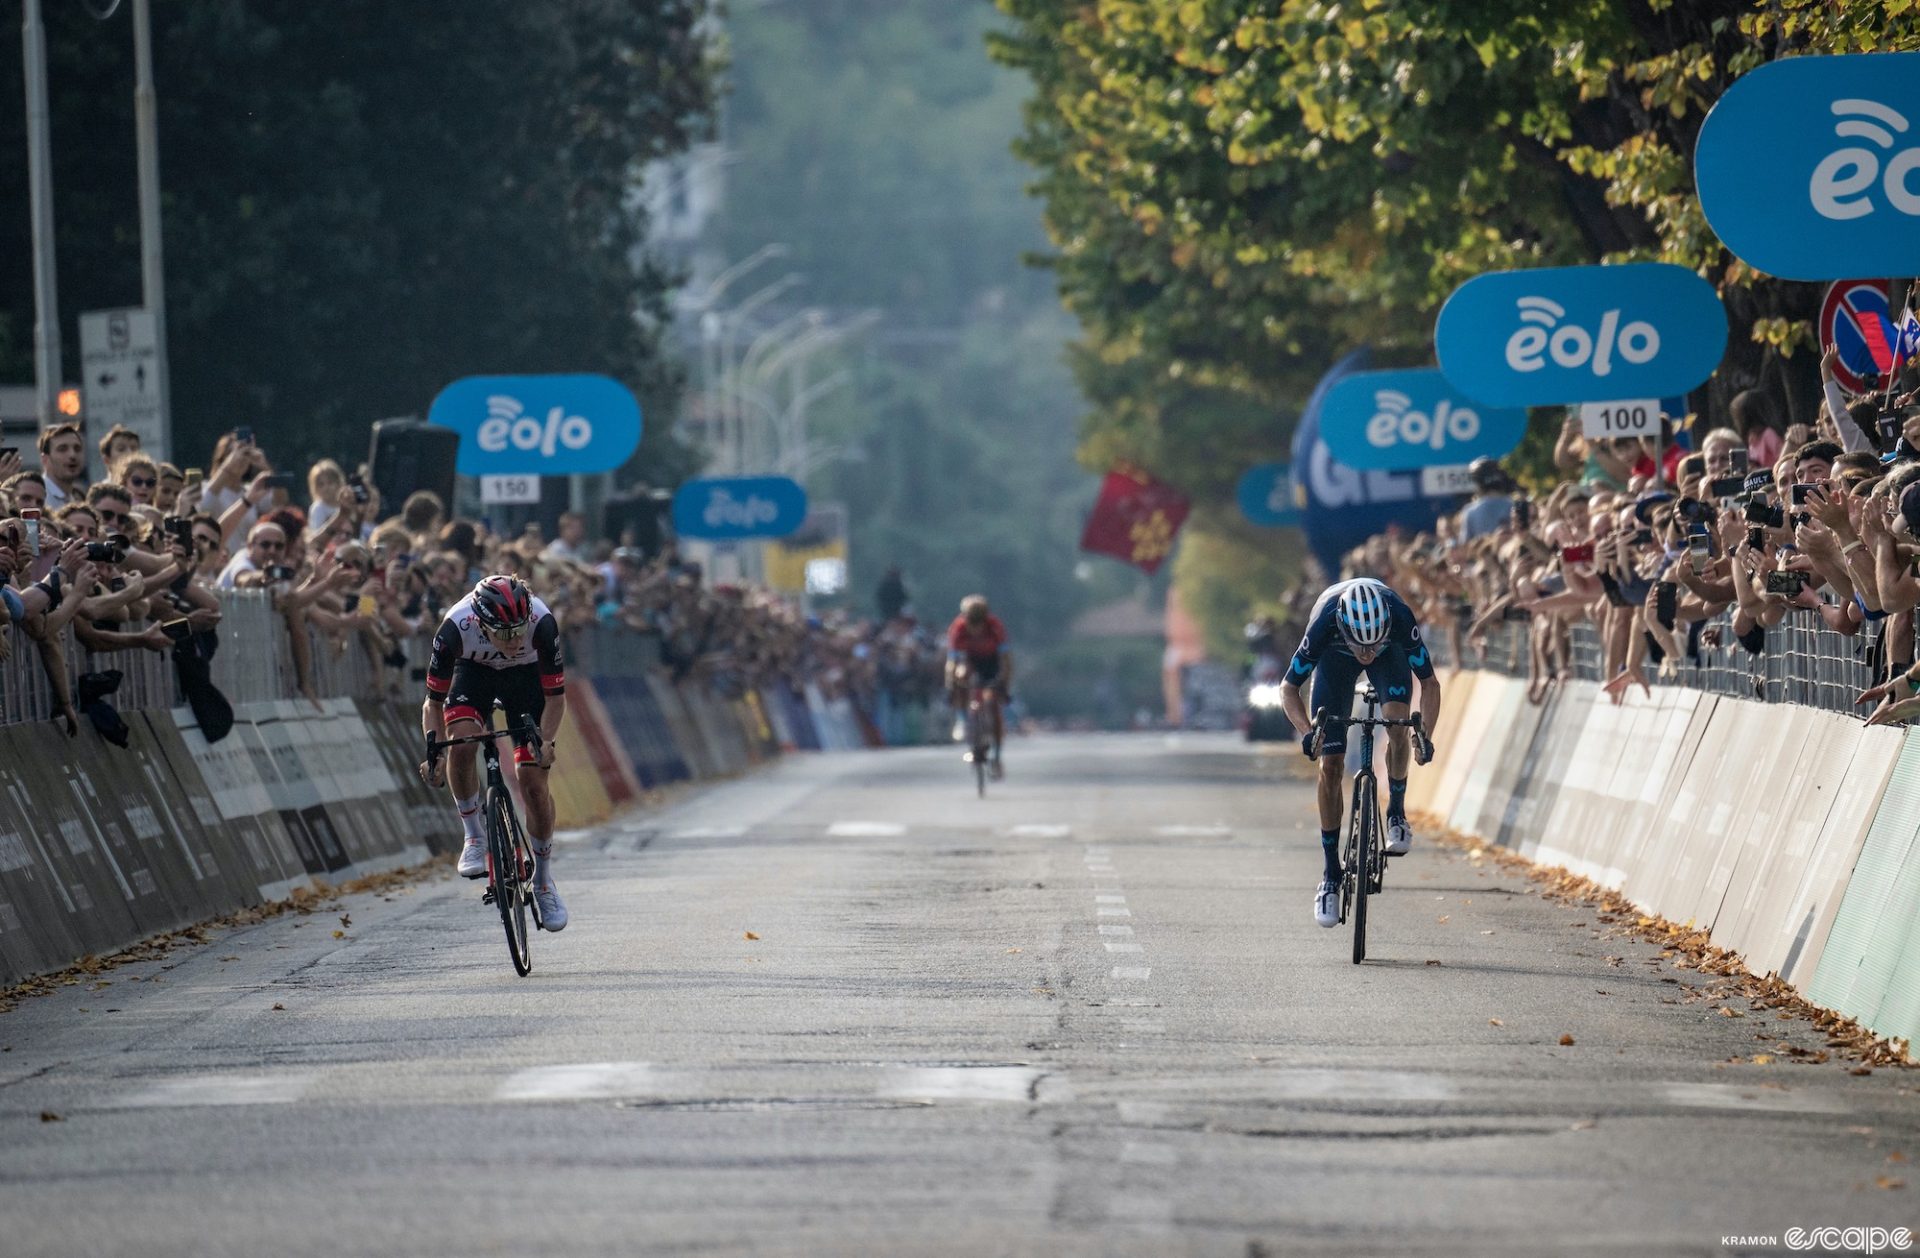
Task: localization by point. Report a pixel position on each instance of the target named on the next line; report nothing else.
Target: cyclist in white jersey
(500, 643)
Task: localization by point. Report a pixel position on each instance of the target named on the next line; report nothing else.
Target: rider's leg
(999, 724)
(539, 799)
(463, 778)
(1333, 776)
(1399, 756)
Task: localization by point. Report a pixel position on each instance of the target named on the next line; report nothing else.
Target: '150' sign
(1809, 167)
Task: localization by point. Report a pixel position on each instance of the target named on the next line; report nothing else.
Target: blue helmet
(1362, 615)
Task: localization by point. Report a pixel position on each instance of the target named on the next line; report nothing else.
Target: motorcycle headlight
(1264, 696)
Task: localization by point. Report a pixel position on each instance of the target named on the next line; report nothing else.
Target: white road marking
(1181, 832)
(218, 1089)
(579, 1081)
(1116, 930)
(1109, 899)
(573, 836)
(1751, 1097)
(1378, 1085)
(709, 832)
(1131, 972)
(864, 829)
(1040, 832)
(1108, 910)
(1124, 947)
(960, 1083)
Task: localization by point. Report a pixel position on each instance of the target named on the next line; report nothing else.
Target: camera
(1523, 513)
(1642, 537)
(1516, 613)
(178, 630)
(1666, 598)
(104, 552)
(1739, 458)
(180, 529)
(243, 435)
(358, 485)
(1766, 514)
(279, 572)
(1693, 511)
(1757, 537)
(1582, 553)
(1800, 494)
(1787, 583)
(1727, 486)
(1889, 424)
(1699, 550)
(279, 480)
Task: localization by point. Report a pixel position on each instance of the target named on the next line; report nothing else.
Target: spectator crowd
(141, 560)
(1689, 544)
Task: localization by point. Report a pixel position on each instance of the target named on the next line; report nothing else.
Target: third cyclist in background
(1359, 626)
(977, 642)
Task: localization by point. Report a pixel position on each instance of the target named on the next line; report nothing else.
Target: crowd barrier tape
(1790, 834)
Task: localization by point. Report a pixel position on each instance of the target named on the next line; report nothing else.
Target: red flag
(1135, 518)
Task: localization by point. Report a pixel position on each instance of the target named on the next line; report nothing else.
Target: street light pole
(153, 279)
(46, 297)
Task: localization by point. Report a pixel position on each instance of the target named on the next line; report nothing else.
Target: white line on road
(1116, 930)
(1039, 832)
(709, 832)
(579, 1081)
(865, 829)
(1108, 910)
(1132, 972)
(1109, 899)
(1742, 1096)
(960, 1083)
(1181, 832)
(218, 1089)
(1124, 947)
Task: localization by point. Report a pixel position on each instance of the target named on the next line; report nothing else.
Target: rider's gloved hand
(1422, 747)
(1310, 744)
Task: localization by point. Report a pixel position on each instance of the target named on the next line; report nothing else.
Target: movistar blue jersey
(1323, 633)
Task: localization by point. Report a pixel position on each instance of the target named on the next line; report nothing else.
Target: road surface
(842, 1007)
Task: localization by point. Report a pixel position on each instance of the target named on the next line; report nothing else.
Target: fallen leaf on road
(751, 935)
(48, 1116)
(229, 958)
(1888, 1181)
(1728, 1011)
(1431, 961)
(1763, 1059)
(1013, 950)
(346, 919)
(1495, 1022)
(1566, 1041)
(1444, 918)
(1486, 932)
(339, 934)
(1861, 1070)
(1896, 1156)
(1585, 1124)
(278, 1007)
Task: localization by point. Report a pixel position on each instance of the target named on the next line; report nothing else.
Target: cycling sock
(1330, 849)
(542, 854)
(1396, 798)
(470, 817)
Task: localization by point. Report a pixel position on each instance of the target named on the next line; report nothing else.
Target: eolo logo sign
(1809, 168)
(539, 425)
(1561, 335)
(1400, 420)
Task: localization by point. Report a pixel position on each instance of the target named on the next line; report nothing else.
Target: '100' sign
(1809, 168)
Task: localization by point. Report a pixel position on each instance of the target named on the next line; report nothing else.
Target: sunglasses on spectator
(110, 516)
(142, 482)
(201, 539)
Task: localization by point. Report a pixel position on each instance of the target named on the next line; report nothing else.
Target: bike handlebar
(437, 745)
(1412, 722)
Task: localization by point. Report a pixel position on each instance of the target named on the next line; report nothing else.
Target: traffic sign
(120, 374)
(509, 490)
(1847, 304)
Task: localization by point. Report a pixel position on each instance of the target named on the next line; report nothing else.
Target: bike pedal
(486, 897)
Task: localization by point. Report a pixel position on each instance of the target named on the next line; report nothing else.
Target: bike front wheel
(1363, 844)
(510, 868)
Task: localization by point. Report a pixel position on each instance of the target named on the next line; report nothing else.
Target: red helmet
(502, 605)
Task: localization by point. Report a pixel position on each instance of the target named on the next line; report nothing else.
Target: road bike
(981, 701)
(509, 855)
(1363, 861)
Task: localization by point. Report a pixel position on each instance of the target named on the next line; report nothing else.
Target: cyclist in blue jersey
(1359, 626)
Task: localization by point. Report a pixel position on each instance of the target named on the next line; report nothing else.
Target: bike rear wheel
(1362, 845)
(510, 871)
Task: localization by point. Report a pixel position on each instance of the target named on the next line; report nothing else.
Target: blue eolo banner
(1401, 420)
(1265, 495)
(539, 425)
(1341, 506)
(1809, 168)
(732, 508)
(1580, 334)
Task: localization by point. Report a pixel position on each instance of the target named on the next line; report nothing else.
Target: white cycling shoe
(473, 859)
(1399, 836)
(1326, 902)
(553, 913)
